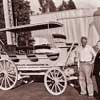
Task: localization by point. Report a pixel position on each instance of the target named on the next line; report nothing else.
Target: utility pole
(9, 22)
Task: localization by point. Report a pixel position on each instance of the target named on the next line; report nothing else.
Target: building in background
(76, 23)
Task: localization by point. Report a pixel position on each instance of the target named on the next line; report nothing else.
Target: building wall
(76, 23)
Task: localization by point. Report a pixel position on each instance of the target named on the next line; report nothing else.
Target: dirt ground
(37, 91)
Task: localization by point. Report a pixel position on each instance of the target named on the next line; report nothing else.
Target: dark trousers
(97, 77)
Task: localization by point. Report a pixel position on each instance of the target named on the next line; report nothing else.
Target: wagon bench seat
(14, 58)
(32, 57)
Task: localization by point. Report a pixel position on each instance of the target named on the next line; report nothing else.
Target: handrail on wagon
(68, 55)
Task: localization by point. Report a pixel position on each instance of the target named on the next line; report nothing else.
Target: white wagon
(45, 59)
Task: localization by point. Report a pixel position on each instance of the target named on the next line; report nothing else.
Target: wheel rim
(8, 75)
(55, 81)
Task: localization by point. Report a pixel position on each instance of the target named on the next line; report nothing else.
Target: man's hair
(97, 42)
(83, 37)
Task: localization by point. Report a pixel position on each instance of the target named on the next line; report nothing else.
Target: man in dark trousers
(97, 68)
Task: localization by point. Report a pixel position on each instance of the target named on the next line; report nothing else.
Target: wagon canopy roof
(32, 27)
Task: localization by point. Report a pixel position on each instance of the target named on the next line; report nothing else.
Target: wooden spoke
(61, 77)
(4, 65)
(5, 82)
(54, 73)
(60, 85)
(2, 82)
(1, 67)
(53, 87)
(59, 89)
(11, 79)
(49, 81)
(11, 75)
(61, 80)
(8, 82)
(57, 73)
(50, 85)
(50, 77)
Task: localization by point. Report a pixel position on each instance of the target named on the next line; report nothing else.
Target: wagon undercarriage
(52, 67)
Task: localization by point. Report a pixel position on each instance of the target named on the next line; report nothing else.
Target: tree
(47, 6)
(21, 14)
(63, 6)
(2, 22)
(71, 4)
(2, 25)
(52, 6)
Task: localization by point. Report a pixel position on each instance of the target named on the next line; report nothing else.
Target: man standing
(97, 68)
(86, 56)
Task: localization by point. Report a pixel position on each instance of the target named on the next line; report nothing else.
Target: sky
(79, 4)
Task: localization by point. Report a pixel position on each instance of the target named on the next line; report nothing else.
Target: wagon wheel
(55, 81)
(8, 74)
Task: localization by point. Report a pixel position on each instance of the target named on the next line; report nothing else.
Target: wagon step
(25, 75)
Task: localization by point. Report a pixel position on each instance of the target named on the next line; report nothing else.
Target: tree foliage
(67, 6)
(47, 6)
(71, 4)
(21, 15)
(2, 22)
(21, 12)
(63, 6)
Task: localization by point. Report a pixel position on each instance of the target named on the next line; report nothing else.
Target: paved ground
(37, 91)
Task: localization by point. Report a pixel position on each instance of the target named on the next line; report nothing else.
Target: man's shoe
(91, 96)
(83, 94)
(97, 98)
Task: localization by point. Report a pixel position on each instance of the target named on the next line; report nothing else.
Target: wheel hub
(56, 80)
(2, 74)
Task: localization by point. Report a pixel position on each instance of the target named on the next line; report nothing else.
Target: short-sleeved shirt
(86, 54)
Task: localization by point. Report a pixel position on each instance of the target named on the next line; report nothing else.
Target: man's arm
(94, 55)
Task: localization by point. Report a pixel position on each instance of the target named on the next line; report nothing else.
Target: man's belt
(85, 61)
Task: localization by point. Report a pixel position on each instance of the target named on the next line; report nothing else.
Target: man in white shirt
(86, 56)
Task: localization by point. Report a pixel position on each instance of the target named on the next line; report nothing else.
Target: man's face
(84, 42)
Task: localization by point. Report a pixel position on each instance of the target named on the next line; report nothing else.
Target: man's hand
(91, 62)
